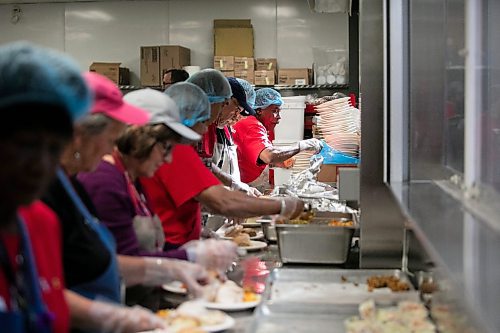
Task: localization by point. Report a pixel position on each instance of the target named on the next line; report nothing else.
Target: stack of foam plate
(302, 161)
(340, 125)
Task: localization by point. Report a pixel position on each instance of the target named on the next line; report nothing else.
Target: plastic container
(330, 66)
(291, 125)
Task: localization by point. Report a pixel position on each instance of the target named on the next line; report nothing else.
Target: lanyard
(138, 199)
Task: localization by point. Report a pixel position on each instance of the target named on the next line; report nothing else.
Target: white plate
(232, 306)
(225, 325)
(175, 287)
(260, 235)
(254, 245)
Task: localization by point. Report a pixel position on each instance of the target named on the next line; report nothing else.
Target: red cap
(108, 100)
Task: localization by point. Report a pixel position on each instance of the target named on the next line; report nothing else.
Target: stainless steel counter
(270, 257)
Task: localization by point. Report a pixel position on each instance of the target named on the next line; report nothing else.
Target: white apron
(226, 158)
(262, 182)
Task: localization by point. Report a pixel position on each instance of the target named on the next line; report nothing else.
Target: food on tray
(386, 281)
(242, 240)
(304, 218)
(228, 293)
(407, 317)
(235, 231)
(190, 317)
(341, 223)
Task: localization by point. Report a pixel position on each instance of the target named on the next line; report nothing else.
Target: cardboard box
(150, 66)
(264, 78)
(328, 173)
(266, 64)
(174, 56)
(245, 75)
(224, 63)
(112, 71)
(294, 76)
(233, 37)
(244, 64)
(228, 73)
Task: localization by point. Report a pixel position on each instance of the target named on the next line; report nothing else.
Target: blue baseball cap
(241, 97)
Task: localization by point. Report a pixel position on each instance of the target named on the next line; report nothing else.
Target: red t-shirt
(252, 138)
(172, 191)
(45, 237)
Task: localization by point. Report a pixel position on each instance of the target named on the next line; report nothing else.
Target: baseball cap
(162, 110)
(34, 74)
(109, 101)
(241, 97)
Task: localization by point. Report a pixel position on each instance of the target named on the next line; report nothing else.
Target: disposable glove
(160, 271)
(116, 318)
(311, 144)
(290, 208)
(212, 254)
(240, 186)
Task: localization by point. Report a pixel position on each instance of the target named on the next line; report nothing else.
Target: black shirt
(85, 257)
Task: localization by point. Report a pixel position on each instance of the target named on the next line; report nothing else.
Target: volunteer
(173, 76)
(41, 92)
(224, 156)
(253, 137)
(178, 188)
(118, 196)
(91, 267)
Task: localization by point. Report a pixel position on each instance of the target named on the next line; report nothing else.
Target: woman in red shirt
(41, 92)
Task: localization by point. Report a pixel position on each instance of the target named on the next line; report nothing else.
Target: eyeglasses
(166, 147)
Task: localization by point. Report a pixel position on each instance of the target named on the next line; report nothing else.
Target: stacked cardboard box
(233, 37)
(157, 59)
(244, 68)
(113, 71)
(225, 64)
(294, 76)
(264, 78)
(266, 70)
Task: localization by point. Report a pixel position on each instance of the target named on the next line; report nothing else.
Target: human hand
(116, 318)
(161, 270)
(311, 144)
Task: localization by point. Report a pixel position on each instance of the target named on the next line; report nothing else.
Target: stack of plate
(340, 125)
(302, 161)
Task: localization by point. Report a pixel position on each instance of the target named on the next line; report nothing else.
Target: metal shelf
(277, 87)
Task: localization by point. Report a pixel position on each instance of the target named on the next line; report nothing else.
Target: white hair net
(33, 74)
(192, 102)
(265, 97)
(249, 91)
(213, 83)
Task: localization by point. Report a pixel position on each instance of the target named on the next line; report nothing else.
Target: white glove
(240, 186)
(115, 318)
(290, 207)
(212, 254)
(311, 144)
(161, 270)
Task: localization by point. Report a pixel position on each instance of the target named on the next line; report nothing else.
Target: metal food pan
(311, 243)
(269, 230)
(270, 319)
(313, 286)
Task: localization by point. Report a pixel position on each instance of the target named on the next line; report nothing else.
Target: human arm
(157, 271)
(234, 184)
(105, 317)
(277, 155)
(237, 204)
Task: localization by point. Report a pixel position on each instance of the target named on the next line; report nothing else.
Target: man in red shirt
(177, 189)
(253, 137)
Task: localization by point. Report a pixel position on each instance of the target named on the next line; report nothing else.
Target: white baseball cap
(162, 110)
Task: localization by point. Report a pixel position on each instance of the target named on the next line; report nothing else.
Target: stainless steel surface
(320, 244)
(381, 219)
(348, 184)
(444, 228)
(214, 222)
(269, 230)
(308, 288)
(324, 320)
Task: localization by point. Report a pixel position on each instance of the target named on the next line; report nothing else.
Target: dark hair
(33, 116)
(177, 75)
(139, 141)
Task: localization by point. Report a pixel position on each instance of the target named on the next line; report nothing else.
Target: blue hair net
(265, 97)
(213, 83)
(249, 91)
(192, 102)
(33, 74)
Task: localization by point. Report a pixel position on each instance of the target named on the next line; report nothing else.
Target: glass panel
(436, 88)
(491, 109)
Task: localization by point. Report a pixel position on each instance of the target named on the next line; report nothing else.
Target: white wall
(113, 31)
